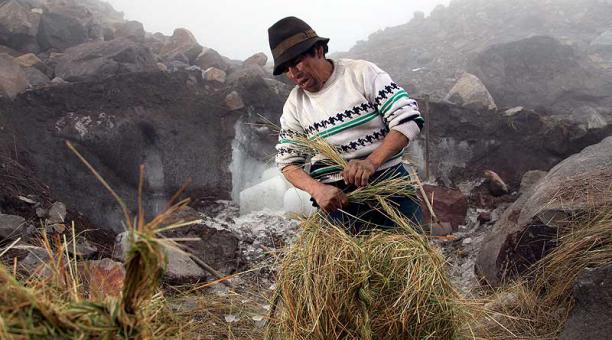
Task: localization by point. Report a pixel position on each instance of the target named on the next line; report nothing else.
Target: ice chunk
(298, 201)
(268, 194)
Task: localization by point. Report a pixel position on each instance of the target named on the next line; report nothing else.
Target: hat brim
(293, 52)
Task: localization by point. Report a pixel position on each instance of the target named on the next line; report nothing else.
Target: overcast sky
(238, 29)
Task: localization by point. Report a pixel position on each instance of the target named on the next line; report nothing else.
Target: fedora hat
(289, 38)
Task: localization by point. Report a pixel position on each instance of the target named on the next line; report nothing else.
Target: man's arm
(358, 172)
(328, 197)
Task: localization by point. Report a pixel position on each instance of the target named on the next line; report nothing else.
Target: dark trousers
(358, 218)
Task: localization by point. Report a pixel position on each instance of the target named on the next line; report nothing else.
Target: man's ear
(320, 53)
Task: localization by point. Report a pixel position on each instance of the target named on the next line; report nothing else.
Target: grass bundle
(54, 304)
(380, 285)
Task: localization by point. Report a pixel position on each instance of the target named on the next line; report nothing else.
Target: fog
(238, 29)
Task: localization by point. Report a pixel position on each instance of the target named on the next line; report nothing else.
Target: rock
(233, 101)
(469, 91)
(35, 77)
(162, 67)
(442, 229)
(181, 268)
(590, 317)
(450, 205)
(540, 71)
(211, 58)
(527, 230)
(56, 213)
(11, 226)
(132, 30)
(531, 178)
(246, 74)
(257, 59)
(58, 81)
(60, 32)
(84, 248)
(35, 261)
(214, 74)
(496, 185)
(484, 217)
(511, 112)
(103, 59)
(175, 65)
(18, 26)
(181, 42)
(13, 80)
(31, 60)
(9, 51)
(103, 278)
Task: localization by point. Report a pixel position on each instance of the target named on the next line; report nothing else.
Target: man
(354, 106)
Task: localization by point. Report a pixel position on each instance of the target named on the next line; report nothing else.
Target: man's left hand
(358, 172)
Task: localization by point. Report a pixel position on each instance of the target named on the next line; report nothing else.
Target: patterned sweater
(354, 111)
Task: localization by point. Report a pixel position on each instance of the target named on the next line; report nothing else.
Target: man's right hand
(329, 198)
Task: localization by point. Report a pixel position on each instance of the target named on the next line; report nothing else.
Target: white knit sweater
(354, 111)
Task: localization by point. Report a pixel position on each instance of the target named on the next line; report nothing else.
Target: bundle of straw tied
(376, 285)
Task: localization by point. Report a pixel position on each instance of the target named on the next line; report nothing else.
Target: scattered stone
(450, 205)
(31, 60)
(230, 318)
(35, 261)
(484, 217)
(59, 32)
(592, 312)
(57, 213)
(233, 101)
(257, 59)
(511, 112)
(181, 268)
(104, 278)
(18, 26)
(36, 77)
(211, 58)
(84, 249)
(58, 81)
(182, 41)
(469, 91)
(103, 59)
(132, 30)
(162, 67)
(214, 74)
(496, 185)
(11, 226)
(13, 80)
(466, 241)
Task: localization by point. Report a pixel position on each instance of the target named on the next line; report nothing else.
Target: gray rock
(83, 248)
(35, 77)
(36, 259)
(591, 315)
(182, 41)
(527, 229)
(233, 101)
(246, 73)
(103, 59)
(469, 91)
(59, 32)
(181, 268)
(13, 80)
(530, 179)
(214, 74)
(257, 59)
(132, 30)
(18, 26)
(11, 226)
(56, 213)
(211, 58)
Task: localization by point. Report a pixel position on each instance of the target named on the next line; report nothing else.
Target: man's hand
(329, 198)
(358, 172)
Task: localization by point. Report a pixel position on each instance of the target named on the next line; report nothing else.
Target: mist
(238, 29)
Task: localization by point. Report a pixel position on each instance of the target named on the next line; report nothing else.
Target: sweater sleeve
(398, 110)
(287, 151)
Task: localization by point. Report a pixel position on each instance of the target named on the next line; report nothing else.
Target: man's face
(308, 72)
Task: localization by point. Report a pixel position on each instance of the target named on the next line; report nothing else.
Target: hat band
(292, 41)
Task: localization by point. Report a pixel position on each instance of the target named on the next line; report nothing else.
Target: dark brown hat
(289, 38)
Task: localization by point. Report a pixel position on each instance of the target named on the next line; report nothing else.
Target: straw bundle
(380, 285)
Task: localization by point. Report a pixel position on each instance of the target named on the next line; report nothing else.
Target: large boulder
(102, 59)
(35, 77)
(590, 317)
(469, 91)
(18, 26)
(528, 228)
(541, 72)
(11, 226)
(13, 80)
(257, 59)
(132, 30)
(211, 58)
(183, 42)
(59, 32)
